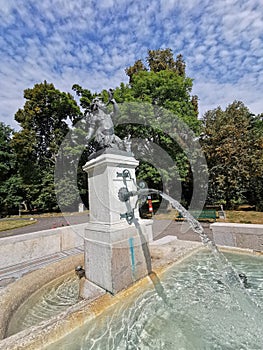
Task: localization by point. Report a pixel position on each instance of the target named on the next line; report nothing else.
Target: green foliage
(136, 68)
(162, 59)
(67, 194)
(6, 157)
(11, 194)
(234, 152)
(158, 108)
(255, 191)
(154, 107)
(85, 95)
(46, 199)
(44, 122)
(169, 90)
(73, 154)
(10, 181)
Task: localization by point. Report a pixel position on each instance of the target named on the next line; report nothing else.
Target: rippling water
(45, 303)
(198, 312)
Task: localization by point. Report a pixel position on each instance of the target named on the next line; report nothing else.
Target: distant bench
(205, 214)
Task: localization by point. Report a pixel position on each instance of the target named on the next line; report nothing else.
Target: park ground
(32, 223)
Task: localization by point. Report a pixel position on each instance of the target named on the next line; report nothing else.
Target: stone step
(12, 273)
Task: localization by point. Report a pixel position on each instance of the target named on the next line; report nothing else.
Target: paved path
(161, 228)
(46, 224)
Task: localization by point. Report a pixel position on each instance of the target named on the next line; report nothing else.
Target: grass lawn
(235, 216)
(16, 222)
(243, 217)
(50, 215)
(11, 224)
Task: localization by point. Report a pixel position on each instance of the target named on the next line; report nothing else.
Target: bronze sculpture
(101, 126)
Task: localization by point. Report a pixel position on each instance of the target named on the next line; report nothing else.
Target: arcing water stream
(229, 276)
(202, 304)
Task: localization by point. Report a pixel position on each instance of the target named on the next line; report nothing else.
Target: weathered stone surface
(164, 254)
(28, 247)
(114, 257)
(104, 185)
(37, 337)
(114, 254)
(89, 290)
(238, 235)
(16, 293)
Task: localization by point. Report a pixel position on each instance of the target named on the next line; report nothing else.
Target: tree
(163, 92)
(232, 152)
(136, 68)
(10, 181)
(157, 108)
(180, 65)
(255, 190)
(85, 96)
(161, 59)
(163, 83)
(44, 122)
(158, 60)
(6, 156)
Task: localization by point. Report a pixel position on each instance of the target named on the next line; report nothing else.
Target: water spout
(230, 277)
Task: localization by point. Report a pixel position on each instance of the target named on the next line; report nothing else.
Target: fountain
(113, 254)
(117, 240)
(117, 255)
(109, 240)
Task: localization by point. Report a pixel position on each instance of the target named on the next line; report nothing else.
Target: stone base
(117, 255)
(110, 151)
(249, 236)
(89, 290)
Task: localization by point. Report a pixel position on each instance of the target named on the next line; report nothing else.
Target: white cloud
(91, 43)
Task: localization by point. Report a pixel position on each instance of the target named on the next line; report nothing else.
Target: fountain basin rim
(14, 294)
(47, 332)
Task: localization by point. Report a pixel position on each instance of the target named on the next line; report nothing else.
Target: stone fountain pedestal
(116, 252)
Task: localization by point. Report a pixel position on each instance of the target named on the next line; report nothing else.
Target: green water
(190, 309)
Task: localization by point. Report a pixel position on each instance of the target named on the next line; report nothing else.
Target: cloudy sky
(91, 43)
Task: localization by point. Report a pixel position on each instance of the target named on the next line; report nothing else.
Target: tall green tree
(44, 123)
(233, 152)
(85, 96)
(158, 60)
(136, 68)
(10, 181)
(157, 107)
(255, 190)
(163, 86)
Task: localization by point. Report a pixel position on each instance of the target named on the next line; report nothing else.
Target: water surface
(199, 311)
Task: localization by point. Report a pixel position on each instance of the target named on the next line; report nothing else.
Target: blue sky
(91, 43)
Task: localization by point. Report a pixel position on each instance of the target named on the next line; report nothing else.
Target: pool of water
(189, 309)
(47, 302)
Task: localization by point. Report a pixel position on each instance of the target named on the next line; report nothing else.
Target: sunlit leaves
(44, 122)
(232, 141)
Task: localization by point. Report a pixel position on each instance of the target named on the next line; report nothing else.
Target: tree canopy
(232, 141)
(157, 107)
(10, 181)
(160, 114)
(44, 123)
